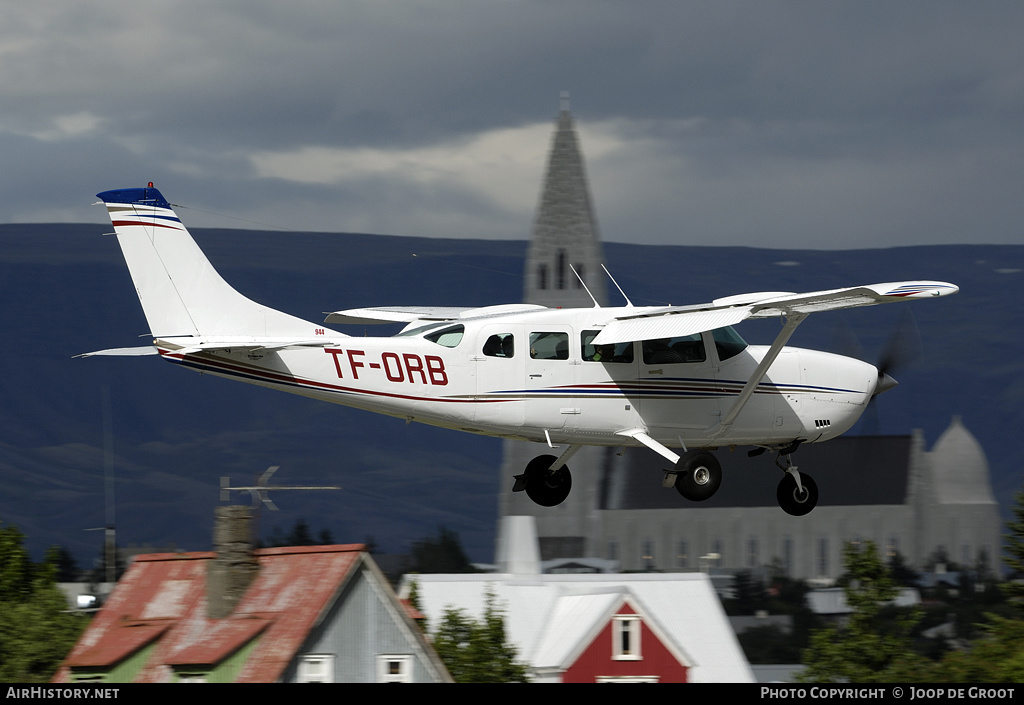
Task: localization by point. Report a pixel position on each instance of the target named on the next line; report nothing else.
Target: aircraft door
(606, 381)
(679, 394)
(500, 355)
(551, 362)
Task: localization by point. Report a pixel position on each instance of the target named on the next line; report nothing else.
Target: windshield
(443, 334)
(728, 342)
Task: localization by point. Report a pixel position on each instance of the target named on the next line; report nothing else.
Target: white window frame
(405, 669)
(315, 668)
(628, 626)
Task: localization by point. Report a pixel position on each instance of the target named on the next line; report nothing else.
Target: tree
(1015, 551)
(441, 555)
(478, 652)
(36, 630)
(874, 646)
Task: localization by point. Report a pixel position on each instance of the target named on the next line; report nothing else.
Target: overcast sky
(775, 124)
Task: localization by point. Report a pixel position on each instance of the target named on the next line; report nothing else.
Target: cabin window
(728, 342)
(610, 352)
(447, 337)
(687, 348)
(500, 345)
(549, 346)
(626, 638)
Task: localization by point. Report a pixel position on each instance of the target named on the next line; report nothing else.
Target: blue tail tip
(148, 196)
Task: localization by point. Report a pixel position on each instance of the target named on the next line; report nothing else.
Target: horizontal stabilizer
(188, 346)
(123, 352)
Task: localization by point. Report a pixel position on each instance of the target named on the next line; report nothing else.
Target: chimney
(234, 567)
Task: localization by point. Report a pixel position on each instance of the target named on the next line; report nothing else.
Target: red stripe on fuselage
(267, 376)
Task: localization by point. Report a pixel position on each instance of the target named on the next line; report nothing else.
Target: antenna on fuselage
(628, 302)
(584, 285)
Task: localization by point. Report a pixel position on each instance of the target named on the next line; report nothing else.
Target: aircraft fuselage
(533, 376)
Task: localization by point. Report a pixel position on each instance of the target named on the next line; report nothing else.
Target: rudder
(180, 291)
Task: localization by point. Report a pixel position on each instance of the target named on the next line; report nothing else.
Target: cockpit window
(447, 337)
(617, 352)
(728, 342)
(687, 348)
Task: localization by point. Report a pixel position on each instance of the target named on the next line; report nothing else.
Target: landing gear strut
(544, 486)
(797, 493)
(698, 475)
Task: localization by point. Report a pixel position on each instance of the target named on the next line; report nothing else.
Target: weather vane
(260, 490)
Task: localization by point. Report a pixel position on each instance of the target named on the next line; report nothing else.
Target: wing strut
(792, 321)
(642, 437)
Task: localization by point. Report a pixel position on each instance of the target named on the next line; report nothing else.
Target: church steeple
(565, 232)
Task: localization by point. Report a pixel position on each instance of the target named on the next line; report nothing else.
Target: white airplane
(663, 377)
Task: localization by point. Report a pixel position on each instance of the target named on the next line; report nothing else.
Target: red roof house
(312, 613)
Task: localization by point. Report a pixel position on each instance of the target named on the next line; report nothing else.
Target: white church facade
(887, 489)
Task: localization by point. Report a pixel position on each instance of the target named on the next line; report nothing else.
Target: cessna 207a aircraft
(663, 377)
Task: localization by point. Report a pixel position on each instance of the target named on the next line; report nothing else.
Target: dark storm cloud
(773, 124)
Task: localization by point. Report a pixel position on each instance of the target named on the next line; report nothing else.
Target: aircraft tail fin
(181, 293)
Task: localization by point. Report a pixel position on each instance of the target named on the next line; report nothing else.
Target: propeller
(902, 349)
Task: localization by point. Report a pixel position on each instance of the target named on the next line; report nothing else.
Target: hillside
(66, 291)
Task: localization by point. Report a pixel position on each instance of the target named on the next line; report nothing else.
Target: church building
(923, 505)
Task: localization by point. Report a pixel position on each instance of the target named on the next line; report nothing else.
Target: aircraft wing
(408, 314)
(395, 314)
(678, 321)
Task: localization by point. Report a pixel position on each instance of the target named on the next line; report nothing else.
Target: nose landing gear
(797, 493)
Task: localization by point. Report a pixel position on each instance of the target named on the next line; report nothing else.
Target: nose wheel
(797, 493)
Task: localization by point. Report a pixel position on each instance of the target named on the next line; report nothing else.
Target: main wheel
(698, 475)
(544, 487)
(792, 500)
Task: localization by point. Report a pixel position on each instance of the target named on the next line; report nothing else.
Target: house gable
(156, 627)
(627, 647)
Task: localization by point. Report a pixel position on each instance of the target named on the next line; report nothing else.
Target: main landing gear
(543, 485)
(698, 475)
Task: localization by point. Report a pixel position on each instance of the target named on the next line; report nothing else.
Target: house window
(626, 638)
(393, 668)
(316, 668)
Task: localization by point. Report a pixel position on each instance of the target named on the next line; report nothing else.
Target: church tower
(565, 238)
(565, 232)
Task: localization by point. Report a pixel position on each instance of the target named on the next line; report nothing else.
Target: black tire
(545, 488)
(792, 501)
(699, 474)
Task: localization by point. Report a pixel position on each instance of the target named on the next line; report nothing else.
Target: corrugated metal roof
(164, 596)
(682, 606)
